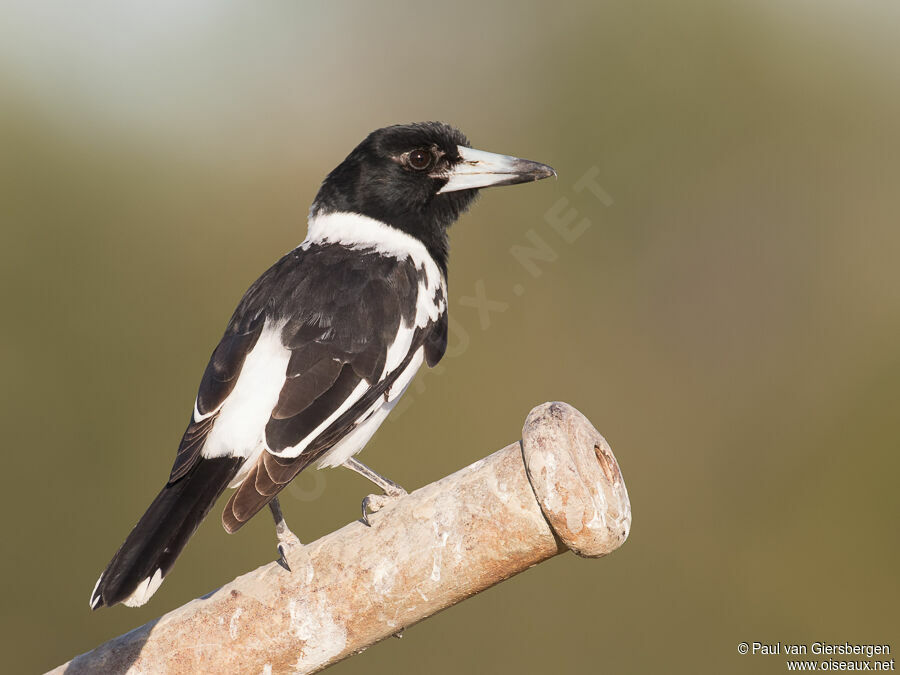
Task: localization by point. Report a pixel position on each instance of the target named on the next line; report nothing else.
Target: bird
(321, 346)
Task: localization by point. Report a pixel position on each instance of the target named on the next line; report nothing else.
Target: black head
(418, 178)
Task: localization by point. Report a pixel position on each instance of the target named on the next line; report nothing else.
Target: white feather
(95, 597)
(144, 590)
(240, 428)
(356, 231)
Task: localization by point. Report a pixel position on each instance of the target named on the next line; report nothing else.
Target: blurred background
(728, 315)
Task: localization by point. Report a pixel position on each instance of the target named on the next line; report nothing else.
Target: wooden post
(560, 488)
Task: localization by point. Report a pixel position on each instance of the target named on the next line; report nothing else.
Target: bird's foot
(289, 546)
(374, 503)
(288, 543)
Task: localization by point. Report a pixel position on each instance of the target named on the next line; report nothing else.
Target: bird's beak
(479, 169)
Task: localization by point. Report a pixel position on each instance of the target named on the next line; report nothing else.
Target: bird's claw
(374, 503)
(287, 540)
(282, 558)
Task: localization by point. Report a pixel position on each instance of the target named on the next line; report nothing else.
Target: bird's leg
(373, 503)
(286, 538)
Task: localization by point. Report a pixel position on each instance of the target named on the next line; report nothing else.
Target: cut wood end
(576, 479)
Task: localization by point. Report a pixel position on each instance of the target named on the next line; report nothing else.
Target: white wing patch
(239, 430)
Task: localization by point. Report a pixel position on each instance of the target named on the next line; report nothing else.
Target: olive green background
(729, 319)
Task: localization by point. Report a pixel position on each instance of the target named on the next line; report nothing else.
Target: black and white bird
(321, 346)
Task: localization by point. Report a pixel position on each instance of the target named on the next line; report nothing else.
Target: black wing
(342, 314)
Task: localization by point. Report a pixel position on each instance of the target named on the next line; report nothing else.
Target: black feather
(164, 529)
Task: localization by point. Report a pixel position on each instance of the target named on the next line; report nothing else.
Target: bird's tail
(139, 566)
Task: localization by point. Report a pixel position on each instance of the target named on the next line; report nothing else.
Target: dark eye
(419, 159)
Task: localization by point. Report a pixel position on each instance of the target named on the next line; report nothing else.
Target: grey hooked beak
(480, 169)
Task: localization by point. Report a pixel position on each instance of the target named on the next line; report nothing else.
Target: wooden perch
(559, 488)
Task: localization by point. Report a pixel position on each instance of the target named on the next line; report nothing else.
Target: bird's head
(418, 178)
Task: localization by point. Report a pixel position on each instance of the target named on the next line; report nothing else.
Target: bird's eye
(419, 159)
